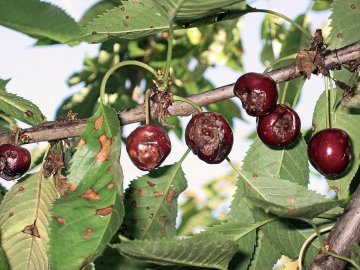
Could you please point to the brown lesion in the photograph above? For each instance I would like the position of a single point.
(98, 123)
(32, 230)
(104, 152)
(91, 195)
(104, 211)
(170, 195)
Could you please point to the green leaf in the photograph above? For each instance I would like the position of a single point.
(151, 203)
(131, 20)
(320, 5)
(352, 100)
(266, 255)
(96, 10)
(196, 9)
(50, 21)
(295, 212)
(20, 108)
(355, 254)
(4, 265)
(3, 84)
(24, 222)
(344, 119)
(210, 250)
(288, 163)
(84, 220)
(345, 23)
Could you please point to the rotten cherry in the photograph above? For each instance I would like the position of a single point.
(209, 136)
(280, 127)
(330, 151)
(257, 92)
(14, 161)
(148, 146)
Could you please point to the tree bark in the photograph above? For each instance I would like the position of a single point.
(342, 237)
(54, 130)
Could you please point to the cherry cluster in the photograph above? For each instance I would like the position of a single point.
(210, 137)
(329, 150)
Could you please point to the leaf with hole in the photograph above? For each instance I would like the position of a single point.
(24, 222)
(207, 250)
(89, 214)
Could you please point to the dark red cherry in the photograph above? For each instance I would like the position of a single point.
(330, 151)
(257, 92)
(209, 136)
(148, 146)
(14, 161)
(280, 127)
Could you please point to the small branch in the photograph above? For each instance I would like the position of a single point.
(342, 237)
(60, 130)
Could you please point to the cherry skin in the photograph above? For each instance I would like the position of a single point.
(257, 92)
(280, 127)
(209, 137)
(330, 151)
(148, 146)
(14, 161)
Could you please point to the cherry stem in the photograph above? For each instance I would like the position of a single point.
(294, 23)
(171, 40)
(119, 65)
(178, 98)
(327, 105)
(147, 106)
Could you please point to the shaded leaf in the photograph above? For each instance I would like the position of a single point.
(289, 162)
(196, 9)
(355, 254)
(20, 108)
(352, 100)
(86, 218)
(209, 250)
(295, 212)
(24, 222)
(151, 203)
(345, 23)
(4, 265)
(344, 119)
(266, 255)
(50, 21)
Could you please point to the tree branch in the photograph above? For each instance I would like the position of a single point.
(342, 237)
(62, 130)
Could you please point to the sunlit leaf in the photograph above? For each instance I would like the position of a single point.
(86, 218)
(24, 222)
(50, 21)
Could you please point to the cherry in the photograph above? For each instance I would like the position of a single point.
(330, 151)
(14, 161)
(280, 127)
(257, 92)
(148, 146)
(209, 136)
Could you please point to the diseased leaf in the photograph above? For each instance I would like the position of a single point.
(86, 218)
(24, 222)
(345, 23)
(49, 21)
(289, 163)
(347, 120)
(196, 9)
(210, 250)
(96, 10)
(132, 19)
(352, 99)
(295, 212)
(151, 203)
(20, 108)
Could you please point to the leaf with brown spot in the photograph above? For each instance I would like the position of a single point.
(97, 200)
(24, 222)
(91, 195)
(158, 191)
